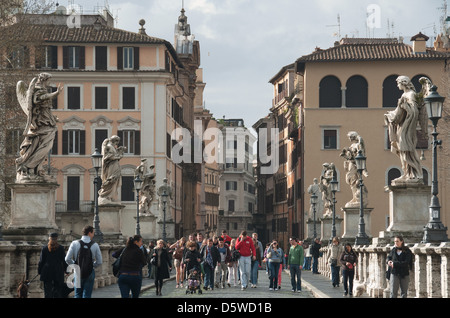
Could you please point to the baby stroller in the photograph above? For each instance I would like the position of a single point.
(193, 281)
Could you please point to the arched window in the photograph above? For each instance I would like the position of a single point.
(415, 81)
(393, 174)
(391, 93)
(330, 94)
(357, 92)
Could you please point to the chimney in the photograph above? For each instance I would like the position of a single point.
(419, 43)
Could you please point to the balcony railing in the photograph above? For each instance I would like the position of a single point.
(74, 206)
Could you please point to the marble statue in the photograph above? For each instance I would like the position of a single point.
(40, 130)
(352, 175)
(315, 189)
(111, 174)
(402, 125)
(147, 192)
(328, 172)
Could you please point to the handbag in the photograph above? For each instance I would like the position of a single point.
(116, 264)
(388, 274)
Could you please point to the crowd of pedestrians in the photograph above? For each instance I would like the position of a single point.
(222, 261)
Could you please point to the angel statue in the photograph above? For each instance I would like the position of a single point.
(328, 172)
(165, 192)
(147, 192)
(111, 173)
(352, 176)
(40, 129)
(402, 126)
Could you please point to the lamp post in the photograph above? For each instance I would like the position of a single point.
(137, 187)
(164, 196)
(361, 237)
(334, 187)
(434, 231)
(313, 203)
(97, 163)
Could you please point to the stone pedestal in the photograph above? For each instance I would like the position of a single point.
(32, 211)
(408, 211)
(110, 222)
(310, 228)
(148, 228)
(351, 222)
(326, 227)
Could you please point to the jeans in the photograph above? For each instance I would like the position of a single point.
(296, 277)
(209, 276)
(233, 274)
(315, 265)
(52, 289)
(254, 272)
(129, 283)
(274, 268)
(347, 277)
(87, 285)
(307, 263)
(221, 273)
(245, 265)
(335, 275)
(395, 282)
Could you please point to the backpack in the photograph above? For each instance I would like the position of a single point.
(84, 259)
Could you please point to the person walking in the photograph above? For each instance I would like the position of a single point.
(233, 264)
(192, 257)
(294, 263)
(221, 270)
(211, 258)
(162, 265)
(151, 248)
(400, 262)
(244, 244)
(131, 263)
(255, 263)
(308, 257)
(315, 254)
(334, 256)
(178, 252)
(226, 238)
(52, 267)
(87, 255)
(348, 262)
(275, 259)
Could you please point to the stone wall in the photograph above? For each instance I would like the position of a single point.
(19, 260)
(429, 278)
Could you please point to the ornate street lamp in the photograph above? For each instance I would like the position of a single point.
(164, 191)
(361, 237)
(314, 201)
(97, 164)
(434, 231)
(334, 187)
(137, 187)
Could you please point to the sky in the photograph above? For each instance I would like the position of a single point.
(244, 43)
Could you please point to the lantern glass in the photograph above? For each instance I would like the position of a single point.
(360, 161)
(96, 159)
(137, 183)
(434, 103)
(334, 184)
(314, 199)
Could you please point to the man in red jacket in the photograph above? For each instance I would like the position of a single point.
(244, 244)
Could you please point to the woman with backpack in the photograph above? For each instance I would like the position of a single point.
(130, 273)
(399, 261)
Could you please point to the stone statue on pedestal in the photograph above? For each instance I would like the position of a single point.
(147, 192)
(111, 174)
(328, 172)
(352, 175)
(315, 189)
(40, 130)
(402, 124)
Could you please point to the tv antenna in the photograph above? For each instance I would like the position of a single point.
(337, 25)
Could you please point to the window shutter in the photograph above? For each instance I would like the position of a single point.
(120, 58)
(137, 142)
(136, 58)
(39, 56)
(82, 59)
(54, 56)
(65, 144)
(55, 144)
(65, 57)
(82, 142)
(101, 58)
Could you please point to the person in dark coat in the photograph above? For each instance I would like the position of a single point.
(210, 256)
(400, 262)
(162, 265)
(315, 253)
(130, 272)
(348, 262)
(52, 267)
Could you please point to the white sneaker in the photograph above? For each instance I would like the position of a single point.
(270, 288)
